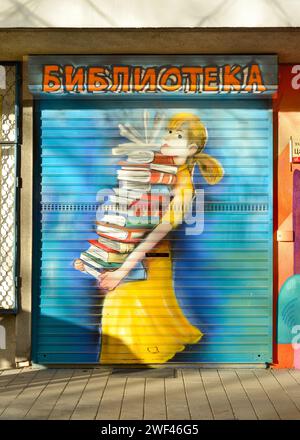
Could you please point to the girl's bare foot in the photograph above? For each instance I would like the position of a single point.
(78, 265)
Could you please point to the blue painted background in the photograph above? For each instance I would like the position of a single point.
(223, 278)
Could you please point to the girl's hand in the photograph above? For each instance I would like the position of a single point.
(110, 279)
(78, 265)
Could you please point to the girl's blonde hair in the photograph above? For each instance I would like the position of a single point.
(210, 168)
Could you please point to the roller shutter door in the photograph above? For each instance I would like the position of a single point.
(222, 277)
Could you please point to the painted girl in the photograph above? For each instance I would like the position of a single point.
(142, 321)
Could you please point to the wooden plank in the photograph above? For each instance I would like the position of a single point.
(133, 400)
(155, 400)
(177, 405)
(46, 401)
(217, 397)
(111, 402)
(261, 403)
(70, 396)
(90, 399)
(19, 407)
(8, 376)
(289, 384)
(197, 399)
(34, 394)
(295, 374)
(284, 406)
(14, 388)
(240, 403)
(24, 377)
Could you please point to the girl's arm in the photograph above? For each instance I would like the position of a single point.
(110, 280)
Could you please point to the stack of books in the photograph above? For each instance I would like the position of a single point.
(135, 207)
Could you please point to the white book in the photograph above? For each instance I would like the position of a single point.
(91, 271)
(133, 169)
(142, 176)
(164, 168)
(107, 256)
(112, 232)
(119, 208)
(121, 200)
(143, 187)
(128, 193)
(130, 133)
(118, 220)
(123, 248)
(97, 253)
(140, 157)
(170, 169)
(90, 261)
(118, 234)
(134, 149)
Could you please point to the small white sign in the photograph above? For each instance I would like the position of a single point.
(2, 78)
(294, 149)
(2, 338)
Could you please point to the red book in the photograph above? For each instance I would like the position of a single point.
(149, 198)
(123, 163)
(158, 177)
(159, 158)
(150, 204)
(129, 239)
(102, 246)
(163, 160)
(163, 168)
(120, 233)
(146, 210)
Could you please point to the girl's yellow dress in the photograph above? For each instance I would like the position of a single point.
(142, 322)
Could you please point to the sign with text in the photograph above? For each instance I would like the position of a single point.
(152, 75)
(294, 149)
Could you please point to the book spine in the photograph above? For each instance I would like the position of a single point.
(162, 159)
(128, 239)
(101, 264)
(123, 248)
(91, 271)
(98, 254)
(116, 258)
(133, 275)
(162, 178)
(87, 258)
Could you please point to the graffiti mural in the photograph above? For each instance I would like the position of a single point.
(288, 239)
(155, 189)
(154, 233)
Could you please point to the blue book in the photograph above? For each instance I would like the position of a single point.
(136, 274)
(161, 189)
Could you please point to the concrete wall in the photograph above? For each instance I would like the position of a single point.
(145, 13)
(17, 43)
(7, 341)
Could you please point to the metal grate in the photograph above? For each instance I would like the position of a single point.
(236, 207)
(8, 154)
(68, 207)
(211, 207)
(7, 227)
(8, 132)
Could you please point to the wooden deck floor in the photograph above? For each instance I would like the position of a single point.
(167, 394)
